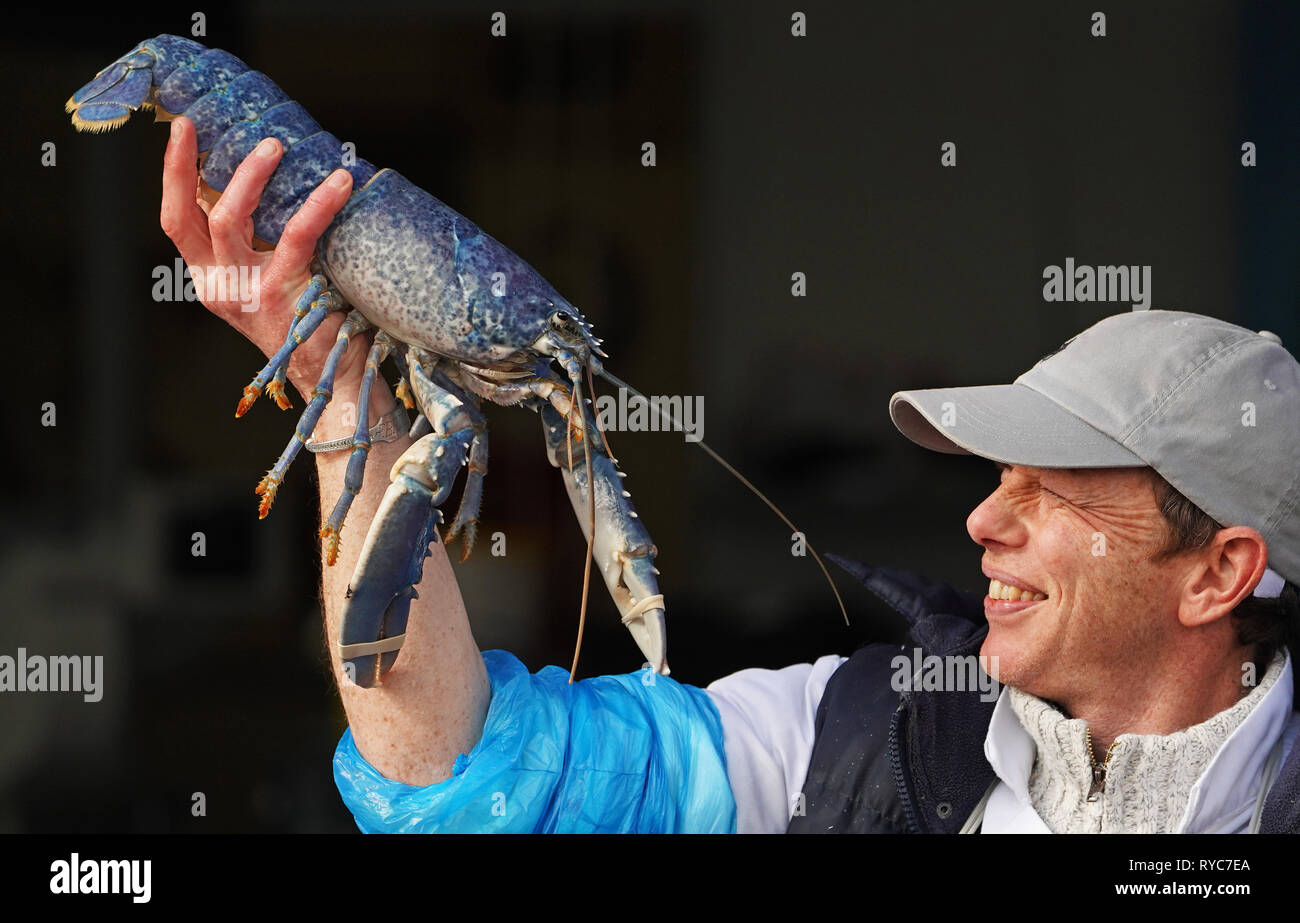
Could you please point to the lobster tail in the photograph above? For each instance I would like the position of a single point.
(232, 108)
(128, 84)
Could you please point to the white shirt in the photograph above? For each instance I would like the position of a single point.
(768, 724)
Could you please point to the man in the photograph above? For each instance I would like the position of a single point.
(1149, 691)
(1148, 485)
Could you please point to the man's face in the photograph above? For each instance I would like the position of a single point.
(1087, 540)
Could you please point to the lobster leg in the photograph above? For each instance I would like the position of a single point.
(353, 478)
(403, 392)
(465, 525)
(312, 306)
(275, 390)
(392, 559)
(320, 396)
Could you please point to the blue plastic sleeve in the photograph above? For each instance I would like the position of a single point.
(636, 753)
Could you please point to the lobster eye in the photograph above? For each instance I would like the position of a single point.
(566, 324)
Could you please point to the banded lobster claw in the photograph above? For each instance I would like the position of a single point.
(623, 550)
(378, 603)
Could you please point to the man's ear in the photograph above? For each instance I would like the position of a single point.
(1222, 574)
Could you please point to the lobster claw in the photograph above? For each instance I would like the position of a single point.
(391, 563)
(635, 591)
(379, 595)
(382, 586)
(623, 550)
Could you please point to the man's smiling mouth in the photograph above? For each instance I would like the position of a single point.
(1006, 587)
(1005, 591)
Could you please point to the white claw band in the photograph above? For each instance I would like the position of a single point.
(650, 602)
(365, 648)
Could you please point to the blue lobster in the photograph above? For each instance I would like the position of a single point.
(463, 318)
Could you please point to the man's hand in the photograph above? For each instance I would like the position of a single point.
(221, 236)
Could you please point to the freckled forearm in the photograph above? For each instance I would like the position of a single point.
(431, 705)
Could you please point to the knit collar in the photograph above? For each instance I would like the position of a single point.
(1189, 780)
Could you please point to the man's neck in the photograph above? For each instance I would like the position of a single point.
(1163, 701)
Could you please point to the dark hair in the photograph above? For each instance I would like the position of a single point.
(1269, 624)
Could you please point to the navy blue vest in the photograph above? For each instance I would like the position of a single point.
(913, 761)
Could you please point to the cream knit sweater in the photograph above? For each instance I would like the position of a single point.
(1149, 777)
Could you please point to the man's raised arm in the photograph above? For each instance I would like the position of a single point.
(432, 704)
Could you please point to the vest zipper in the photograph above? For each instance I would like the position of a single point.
(1098, 787)
(896, 759)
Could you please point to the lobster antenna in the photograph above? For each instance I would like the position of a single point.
(576, 403)
(619, 383)
(591, 386)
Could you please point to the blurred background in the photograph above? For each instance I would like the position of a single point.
(775, 155)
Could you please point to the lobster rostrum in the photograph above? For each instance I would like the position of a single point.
(461, 316)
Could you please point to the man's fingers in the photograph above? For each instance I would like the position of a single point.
(229, 219)
(298, 242)
(182, 220)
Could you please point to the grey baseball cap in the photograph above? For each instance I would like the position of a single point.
(1213, 407)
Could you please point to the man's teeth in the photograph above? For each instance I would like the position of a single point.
(1000, 590)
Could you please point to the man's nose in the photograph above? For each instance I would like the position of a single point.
(994, 523)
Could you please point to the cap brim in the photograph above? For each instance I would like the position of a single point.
(1013, 424)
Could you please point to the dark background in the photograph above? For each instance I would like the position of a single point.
(775, 155)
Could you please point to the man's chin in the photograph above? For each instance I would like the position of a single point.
(1003, 659)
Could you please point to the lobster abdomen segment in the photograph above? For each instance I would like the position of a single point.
(210, 72)
(244, 101)
(288, 122)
